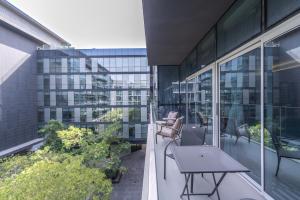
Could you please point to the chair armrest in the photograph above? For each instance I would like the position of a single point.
(165, 118)
(170, 127)
(243, 125)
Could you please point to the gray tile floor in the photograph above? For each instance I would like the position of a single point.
(232, 188)
(131, 185)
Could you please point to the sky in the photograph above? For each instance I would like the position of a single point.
(90, 23)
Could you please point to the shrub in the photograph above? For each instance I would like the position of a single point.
(67, 180)
(49, 131)
(255, 133)
(13, 165)
(73, 138)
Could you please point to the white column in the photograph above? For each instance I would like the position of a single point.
(138, 131)
(144, 114)
(125, 114)
(125, 131)
(76, 82)
(252, 79)
(59, 114)
(82, 64)
(144, 97)
(52, 98)
(113, 95)
(52, 82)
(76, 114)
(46, 114)
(46, 65)
(88, 81)
(125, 97)
(64, 82)
(64, 64)
(89, 117)
(70, 98)
(40, 82)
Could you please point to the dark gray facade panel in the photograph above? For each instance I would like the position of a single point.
(18, 89)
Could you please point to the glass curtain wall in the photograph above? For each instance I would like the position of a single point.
(240, 110)
(282, 116)
(168, 90)
(91, 87)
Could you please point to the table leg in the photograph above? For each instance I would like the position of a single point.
(214, 177)
(186, 186)
(192, 183)
(217, 185)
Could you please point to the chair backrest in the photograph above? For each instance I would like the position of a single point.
(193, 135)
(172, 115)
(243, 130)
(201, 118)
(177, 127)
(276, 141)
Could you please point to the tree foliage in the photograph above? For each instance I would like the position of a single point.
(74, 163)
(52, 180)
(49, 131)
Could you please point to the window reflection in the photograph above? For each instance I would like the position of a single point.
(240, 110)
(199, 92)
(282, 116)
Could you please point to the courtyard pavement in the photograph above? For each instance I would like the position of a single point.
(131, 184)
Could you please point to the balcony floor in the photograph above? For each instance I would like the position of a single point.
(233, 186)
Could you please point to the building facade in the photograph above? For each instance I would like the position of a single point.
(89, 87)
(20, 35)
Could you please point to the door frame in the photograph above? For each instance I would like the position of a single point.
(209, 67)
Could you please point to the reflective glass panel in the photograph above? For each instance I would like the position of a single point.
(240, 119)
(282, 116)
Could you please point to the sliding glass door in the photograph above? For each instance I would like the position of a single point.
(240, 105)
(199, 104)
(282, 116)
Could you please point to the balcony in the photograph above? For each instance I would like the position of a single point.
(155, 187)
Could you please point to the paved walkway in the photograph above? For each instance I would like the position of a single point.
(131, 185)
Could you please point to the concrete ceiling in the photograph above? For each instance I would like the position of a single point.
(173, 27)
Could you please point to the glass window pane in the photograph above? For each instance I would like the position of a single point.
(206, 50)
(278, 9)
(168, 87)
(238, 25)
(46, 82)
(40, 66)
(58, 82)
(282, 116)
(240, 110)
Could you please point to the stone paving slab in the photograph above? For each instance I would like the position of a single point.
(131, 184)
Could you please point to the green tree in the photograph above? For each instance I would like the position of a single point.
(49, 131)
(67, 180)
(74, 138)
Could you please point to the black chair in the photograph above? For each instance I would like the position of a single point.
(242, 130)
(282, 151)
(202, 119)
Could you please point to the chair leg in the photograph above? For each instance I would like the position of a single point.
(278, 164)
(156, 138)
(236, 140)
(165, 158)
